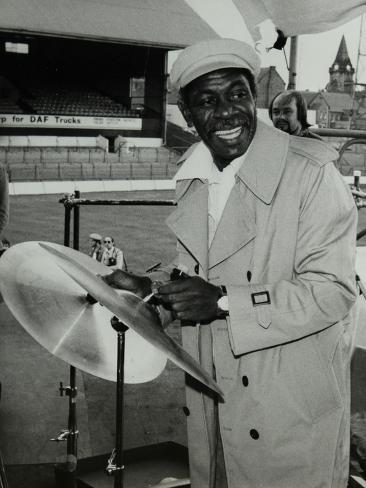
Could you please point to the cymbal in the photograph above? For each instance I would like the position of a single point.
(133, 312)
(49, 281)
(54, 310)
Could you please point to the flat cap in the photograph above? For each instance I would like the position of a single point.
(207, 56)
(95, 236)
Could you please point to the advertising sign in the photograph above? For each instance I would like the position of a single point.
(69, 122)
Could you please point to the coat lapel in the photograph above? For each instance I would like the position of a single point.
(189, 221)
(236, 229)
(260, 173)
(263, 166)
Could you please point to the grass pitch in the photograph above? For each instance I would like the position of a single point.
(140, 231)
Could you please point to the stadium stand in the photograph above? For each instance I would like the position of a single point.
(9, 106)
(61, 99)
(178, 137)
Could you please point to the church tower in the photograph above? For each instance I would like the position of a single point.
(341, 72)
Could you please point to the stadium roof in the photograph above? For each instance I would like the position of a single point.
(161, 23)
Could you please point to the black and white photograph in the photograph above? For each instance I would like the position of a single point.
(182, 243)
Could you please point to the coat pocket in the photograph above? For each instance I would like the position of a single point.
(316, 379)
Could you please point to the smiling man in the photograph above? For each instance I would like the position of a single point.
(266, 235)
(206, 103)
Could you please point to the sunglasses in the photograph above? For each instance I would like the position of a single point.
(107, 242)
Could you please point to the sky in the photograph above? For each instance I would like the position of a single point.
(316, 53)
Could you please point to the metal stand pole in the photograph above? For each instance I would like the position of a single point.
(67, 224)
(76, 222)
(66, 478)
(71, 425)
(293, 64)
(115, 463)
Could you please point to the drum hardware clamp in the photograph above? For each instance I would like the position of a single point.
(111, 466)
(64, 434)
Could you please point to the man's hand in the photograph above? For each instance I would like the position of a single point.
(140, 285)
(191, 299)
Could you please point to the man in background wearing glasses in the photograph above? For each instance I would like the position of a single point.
(112, 255)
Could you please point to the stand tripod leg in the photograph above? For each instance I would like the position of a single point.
(3, 480)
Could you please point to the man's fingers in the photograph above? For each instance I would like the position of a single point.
(173, 287)
(173, 297)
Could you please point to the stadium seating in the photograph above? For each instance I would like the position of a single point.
(48, 158)
(9, 106)
(62, 100)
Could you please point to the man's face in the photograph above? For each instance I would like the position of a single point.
(108, 242)
(221, 107)
(284, 114)
(93, 243)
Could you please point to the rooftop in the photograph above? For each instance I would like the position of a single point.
(160, 23)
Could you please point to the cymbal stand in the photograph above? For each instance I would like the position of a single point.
(115, 463)
(71, 203)
(68, 479)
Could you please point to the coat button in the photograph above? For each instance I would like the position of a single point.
(254, 434)
(245, 380)
(197, 269)
(249, 275)
(186, 411)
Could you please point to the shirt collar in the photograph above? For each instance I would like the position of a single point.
(200, 165)
(260, 171)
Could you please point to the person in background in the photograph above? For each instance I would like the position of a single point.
(96, 250)
(288, 112)
(112, 255)
(266, 232)
(4, 245)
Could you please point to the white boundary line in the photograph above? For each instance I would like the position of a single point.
(90, 186)
(57, 187)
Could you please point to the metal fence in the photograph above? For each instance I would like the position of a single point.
(350, 145)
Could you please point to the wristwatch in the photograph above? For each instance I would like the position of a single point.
(223, 303)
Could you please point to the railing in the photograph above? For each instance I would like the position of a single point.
(348, 160)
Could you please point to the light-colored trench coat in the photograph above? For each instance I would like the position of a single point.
(288, 229)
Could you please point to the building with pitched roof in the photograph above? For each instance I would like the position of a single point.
(334, 106)
(333, 109)
(341, 72)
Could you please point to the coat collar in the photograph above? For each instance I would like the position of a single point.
(262, 169)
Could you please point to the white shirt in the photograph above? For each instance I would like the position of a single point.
(200, 165)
